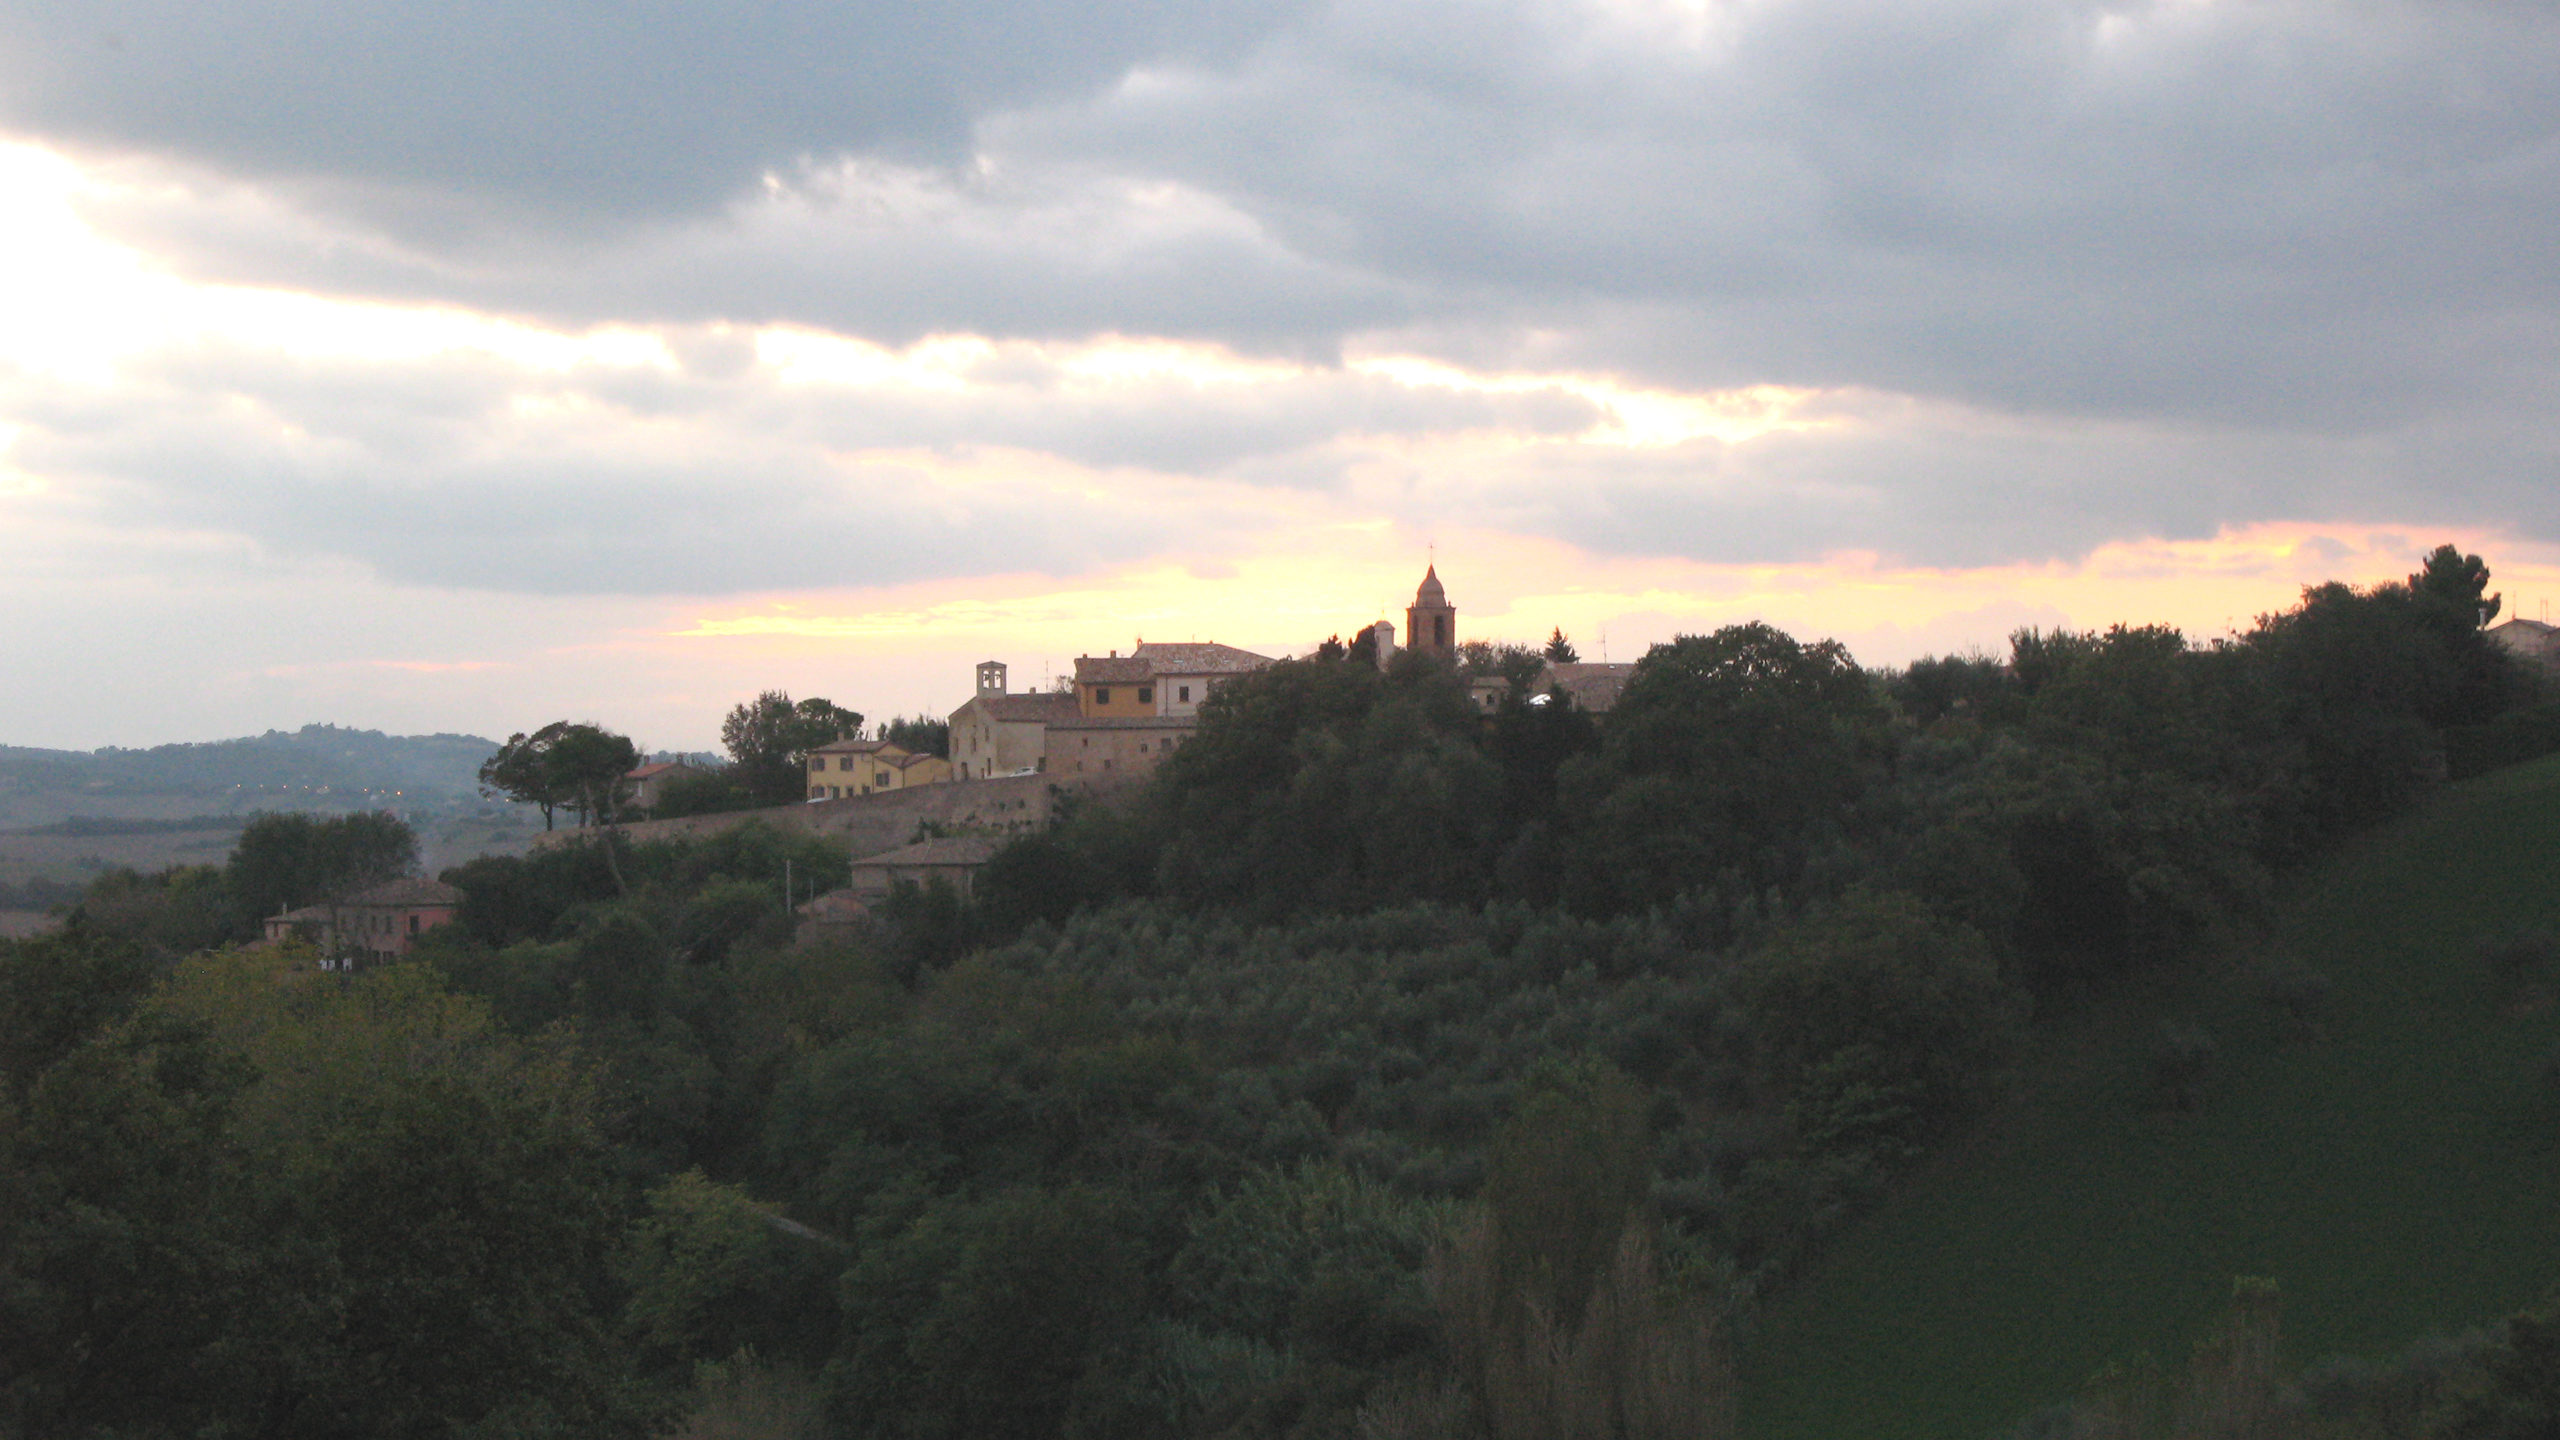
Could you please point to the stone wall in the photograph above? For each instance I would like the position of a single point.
(871, 824)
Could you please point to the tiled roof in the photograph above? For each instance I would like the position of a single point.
(835, 907)
(949, 850)
(1039, 708)
(1168, 658)
(855, 747)
(902, 760)
(1113, 670)
(656, 767)
(1593, 686)
(407, 892)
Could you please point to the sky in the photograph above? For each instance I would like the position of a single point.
(468, 366)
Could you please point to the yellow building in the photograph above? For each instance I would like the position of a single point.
(867, 767)
(1115, 687)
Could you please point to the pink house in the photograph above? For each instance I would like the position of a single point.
(373, 925)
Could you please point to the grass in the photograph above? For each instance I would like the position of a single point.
(2396, 1175)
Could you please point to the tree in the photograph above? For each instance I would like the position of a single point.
(919, 734)
(1742, 751)
(576, 766)
(770, 738)
(517, 773)
(1560, 650)
(588, 764)
(274, 1203)
(2449, 581)
(284, 861)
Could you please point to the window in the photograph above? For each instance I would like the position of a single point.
(1439, 629)
(1183, 694)
(1146, 694)
(818, 762)
(846, 763)
(413, 924)
(817, 792)
(1101, 694)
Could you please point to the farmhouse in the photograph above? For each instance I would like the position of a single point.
(372, 925)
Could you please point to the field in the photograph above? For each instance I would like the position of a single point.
(26, 855)
(2396, 1173)
(444, 840)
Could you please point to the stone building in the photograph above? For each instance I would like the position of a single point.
(999, 733)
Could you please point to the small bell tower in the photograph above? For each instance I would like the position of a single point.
(990, 677)
(1431, 625)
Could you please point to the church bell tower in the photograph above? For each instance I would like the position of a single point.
(1431, 625)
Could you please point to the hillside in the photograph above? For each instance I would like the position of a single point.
(2395, 1173)
(316, 767)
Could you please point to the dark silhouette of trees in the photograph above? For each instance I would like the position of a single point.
(563, 765)
(769, 739)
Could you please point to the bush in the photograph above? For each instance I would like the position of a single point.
(2181, 1061)
(2519, 960)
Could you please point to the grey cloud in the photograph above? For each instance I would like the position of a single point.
(2210, 262)
(2299, 214)
(572, 110)
(1967, 489)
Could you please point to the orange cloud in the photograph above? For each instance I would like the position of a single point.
(1286, 597)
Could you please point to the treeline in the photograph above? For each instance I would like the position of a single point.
(433, 768)
(1385, 1068)
(2089, 802)
(281, 862)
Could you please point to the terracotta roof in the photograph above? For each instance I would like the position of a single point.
(656, 767)
(903, 760)
(856, 747)
(1170, 658)
(835, 907)
(407, 892)
(1038, 708)
(1113, 670)
(1593, 686)
(949, 850)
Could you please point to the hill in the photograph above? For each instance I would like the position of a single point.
(317, 767)
(2394, 1167)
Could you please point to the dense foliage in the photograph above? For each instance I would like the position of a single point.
(1386, 1064)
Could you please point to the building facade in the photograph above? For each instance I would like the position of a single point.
(998, 733)
(369, 926)
(647, 785)
(1116, 747)
(867, 767)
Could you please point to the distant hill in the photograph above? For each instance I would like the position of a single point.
(319, 767)
(2392, 1166)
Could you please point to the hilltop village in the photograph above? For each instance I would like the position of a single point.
(974, 1085)
(1119, 716)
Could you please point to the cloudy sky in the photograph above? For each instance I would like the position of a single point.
(468, 365)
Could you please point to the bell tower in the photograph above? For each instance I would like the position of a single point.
(1431, 625)
(990, 677)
